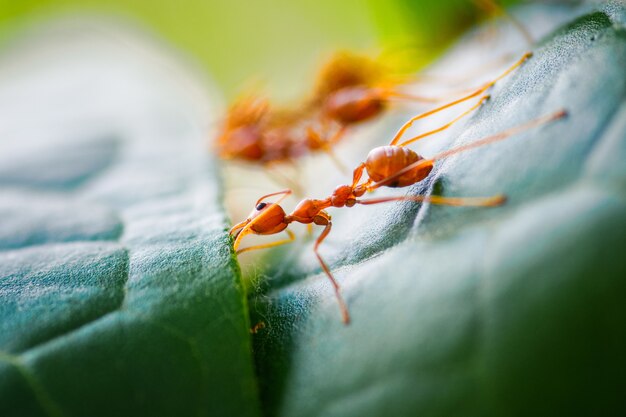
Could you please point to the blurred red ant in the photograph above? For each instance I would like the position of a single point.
(350, 89)
(255, 132)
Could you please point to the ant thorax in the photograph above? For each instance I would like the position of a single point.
(343, 196)
(385, 161)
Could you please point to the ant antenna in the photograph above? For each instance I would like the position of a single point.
(476, 93)
(482, 142)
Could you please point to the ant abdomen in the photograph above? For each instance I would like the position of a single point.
(354, 104)
(385, 161)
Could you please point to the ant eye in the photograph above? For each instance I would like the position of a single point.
(261, 206)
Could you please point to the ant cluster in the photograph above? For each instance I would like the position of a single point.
(349, 90)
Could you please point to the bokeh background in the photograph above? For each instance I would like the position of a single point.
(119, 291)
(278, 42)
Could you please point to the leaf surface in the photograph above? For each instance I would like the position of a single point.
(119, 294)
(516, 310)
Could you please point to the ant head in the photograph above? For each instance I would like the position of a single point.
(265, 219)
(270, 219)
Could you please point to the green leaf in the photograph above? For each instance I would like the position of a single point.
(119, 293)
(516, 310)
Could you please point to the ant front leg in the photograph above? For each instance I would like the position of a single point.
(357, 174)
(240, 230)
(323, 219)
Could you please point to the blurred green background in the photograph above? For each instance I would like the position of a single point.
(276, 42)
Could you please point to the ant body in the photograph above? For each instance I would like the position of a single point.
(349, 90)
(393, 165)
(353, 88)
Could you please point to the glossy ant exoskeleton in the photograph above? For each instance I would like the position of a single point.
(386, 166)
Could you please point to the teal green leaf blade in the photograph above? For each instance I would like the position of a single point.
(516, 310)
(119, 292)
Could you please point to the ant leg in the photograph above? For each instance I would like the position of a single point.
(502, 135)
(413, 119)
(447, 125)
(338, 135)
(449, 95)
(391, 94)
(291, 238)
(357, 174)
(493, 201)
(345, 315)
(476, 93)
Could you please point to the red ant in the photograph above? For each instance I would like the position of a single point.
(353, 88)
(388, 166)
(391, 166)
(255, 132)
(349, 90)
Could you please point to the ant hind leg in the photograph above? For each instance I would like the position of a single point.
(345, 315)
